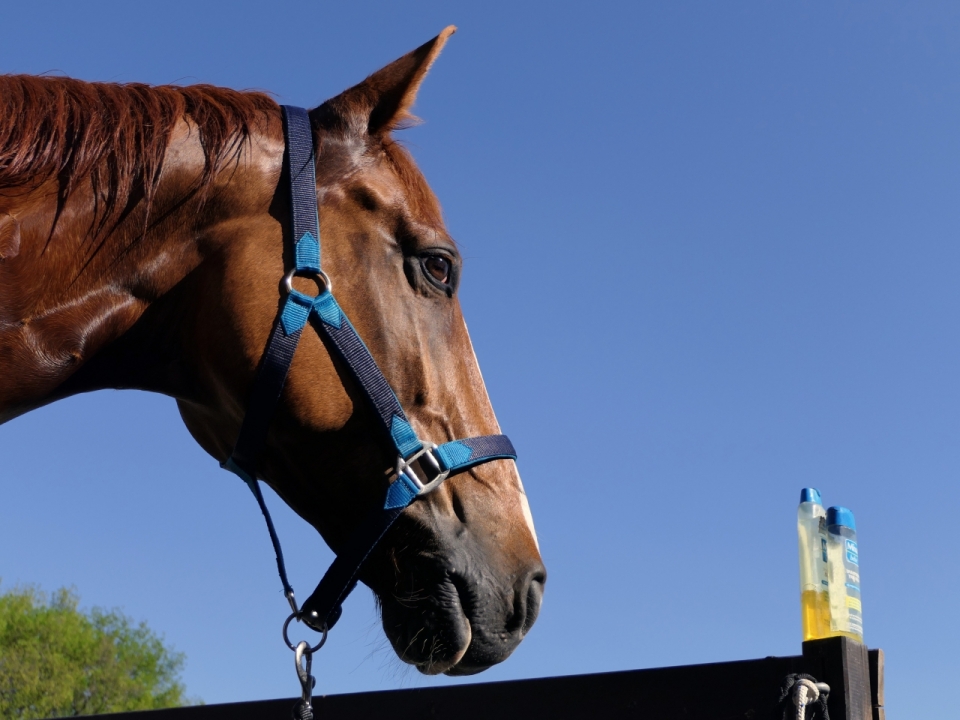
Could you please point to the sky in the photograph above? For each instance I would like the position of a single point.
(711, 258)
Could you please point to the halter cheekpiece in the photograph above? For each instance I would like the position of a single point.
(420, 466)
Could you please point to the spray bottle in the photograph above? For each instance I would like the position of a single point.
(812, 536)
(846, 616)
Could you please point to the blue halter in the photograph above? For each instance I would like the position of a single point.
(421, 466)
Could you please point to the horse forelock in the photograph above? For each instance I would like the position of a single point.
(114, 135)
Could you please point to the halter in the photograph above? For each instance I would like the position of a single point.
(420, 466)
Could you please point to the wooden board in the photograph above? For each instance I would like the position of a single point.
(876, 683)
(742, 690)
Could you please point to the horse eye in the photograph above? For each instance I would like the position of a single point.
(438, 267)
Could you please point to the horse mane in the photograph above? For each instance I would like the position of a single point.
(113, 134)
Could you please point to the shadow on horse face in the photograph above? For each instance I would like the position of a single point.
(459, 577)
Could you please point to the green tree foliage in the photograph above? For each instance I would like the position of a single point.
(56, 661)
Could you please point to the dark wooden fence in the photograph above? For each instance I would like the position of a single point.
(744, 690)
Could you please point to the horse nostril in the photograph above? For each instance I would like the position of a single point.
(529, 597)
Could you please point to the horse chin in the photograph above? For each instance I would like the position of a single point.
(448, 666)
(431, 633)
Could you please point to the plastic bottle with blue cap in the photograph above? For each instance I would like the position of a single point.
(843, 555)
(812, 541)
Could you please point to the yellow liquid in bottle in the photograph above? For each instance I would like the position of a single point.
(815, 614)
(845, 618)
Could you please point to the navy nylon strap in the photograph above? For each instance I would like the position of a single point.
(420, 467)
(302, 172)
(264, 396)
(323, 607)
(461, 455)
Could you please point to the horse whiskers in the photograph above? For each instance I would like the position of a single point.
(411, 599)
(389, 663)
(437, 646)
(403, 655)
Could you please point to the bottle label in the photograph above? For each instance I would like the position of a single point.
(853, 556)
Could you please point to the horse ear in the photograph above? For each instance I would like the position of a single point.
(382, 102)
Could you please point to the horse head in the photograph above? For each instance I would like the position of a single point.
(143, 237)
(459, 577)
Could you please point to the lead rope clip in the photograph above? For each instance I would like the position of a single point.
(303, 657)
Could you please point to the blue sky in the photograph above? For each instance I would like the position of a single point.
(711, 258)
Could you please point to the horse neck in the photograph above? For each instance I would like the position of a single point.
(82, 309)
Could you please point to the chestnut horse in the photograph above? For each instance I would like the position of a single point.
(142, 242)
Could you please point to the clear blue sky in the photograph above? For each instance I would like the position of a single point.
(711, 258)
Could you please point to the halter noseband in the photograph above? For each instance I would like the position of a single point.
(421, 466)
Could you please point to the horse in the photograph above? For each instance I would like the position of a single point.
(142, 235)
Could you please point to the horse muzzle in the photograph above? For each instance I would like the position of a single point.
(462, 607)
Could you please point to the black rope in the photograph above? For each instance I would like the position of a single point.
(281, 566)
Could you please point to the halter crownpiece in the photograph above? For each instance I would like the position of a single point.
(420, 467)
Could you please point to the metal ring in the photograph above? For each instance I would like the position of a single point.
(294, 647)
(319, 276)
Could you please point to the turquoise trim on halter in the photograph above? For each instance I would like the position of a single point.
(453, 454)
(307, 253)
(401, 493)
(297, 309)
(327, 309)
(230, 465)
(404, 437)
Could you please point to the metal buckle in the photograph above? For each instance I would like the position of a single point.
(318, 276)
(406, 467)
